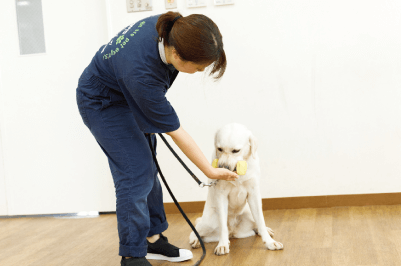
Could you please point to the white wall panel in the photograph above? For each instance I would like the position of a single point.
(45, 145)
(319, 85)
(3, 191)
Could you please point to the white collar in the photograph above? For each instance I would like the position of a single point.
(162, 52)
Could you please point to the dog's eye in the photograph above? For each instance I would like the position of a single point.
(236, 151)
(219, 149)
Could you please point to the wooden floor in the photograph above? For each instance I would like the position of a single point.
(333, 236)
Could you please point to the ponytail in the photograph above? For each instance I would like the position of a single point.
(165, 24)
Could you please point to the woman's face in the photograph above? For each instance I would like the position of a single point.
(190, 67)
(186, 66)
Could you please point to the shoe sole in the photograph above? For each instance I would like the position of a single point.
(152, 256)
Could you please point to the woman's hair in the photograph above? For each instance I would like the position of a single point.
(196, 38)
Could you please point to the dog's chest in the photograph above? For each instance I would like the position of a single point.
(237, 197)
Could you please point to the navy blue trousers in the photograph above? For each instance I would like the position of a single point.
(139, 206)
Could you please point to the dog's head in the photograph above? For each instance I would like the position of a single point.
(233, 143)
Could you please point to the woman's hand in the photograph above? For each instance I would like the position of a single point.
(223, 174)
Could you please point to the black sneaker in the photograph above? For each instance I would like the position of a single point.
(163, 250)
(135, 262)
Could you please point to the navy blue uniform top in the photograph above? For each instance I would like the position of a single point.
(130, 64)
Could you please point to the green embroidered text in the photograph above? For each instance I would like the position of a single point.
(122, 41)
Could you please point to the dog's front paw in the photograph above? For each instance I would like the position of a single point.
(270, 231)
(194, 241)
(221, 249)
(274, 245)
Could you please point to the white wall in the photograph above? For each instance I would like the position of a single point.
(318, 83)
(3, 194)
(45, 145)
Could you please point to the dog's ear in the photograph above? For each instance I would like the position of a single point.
(253, 144)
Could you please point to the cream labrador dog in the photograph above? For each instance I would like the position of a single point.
(233, 209)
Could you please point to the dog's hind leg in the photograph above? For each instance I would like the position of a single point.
(197, 221)
(245, 226)
(244, 230)
(204, 230)
(213, 237)
(247, 217)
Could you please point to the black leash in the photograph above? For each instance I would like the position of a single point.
(171, 193)
(179, 159)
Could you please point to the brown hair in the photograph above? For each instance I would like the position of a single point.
(196, 38)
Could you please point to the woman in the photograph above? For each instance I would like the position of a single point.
(121, 96)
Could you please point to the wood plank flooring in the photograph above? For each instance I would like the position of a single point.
(369, 235)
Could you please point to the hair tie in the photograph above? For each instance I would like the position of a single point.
(175, 19)
(170, 25)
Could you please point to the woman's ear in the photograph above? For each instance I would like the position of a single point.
(174, 53)
(253, 144)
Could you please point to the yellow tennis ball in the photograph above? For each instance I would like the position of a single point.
(241, 167)
(215, 163)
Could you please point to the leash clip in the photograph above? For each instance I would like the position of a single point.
(212, 184)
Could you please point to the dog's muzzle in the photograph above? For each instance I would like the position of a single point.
(241, 166)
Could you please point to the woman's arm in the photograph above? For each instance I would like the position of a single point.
(188, 146)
